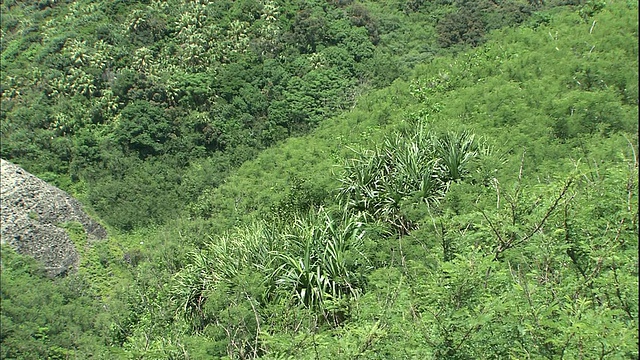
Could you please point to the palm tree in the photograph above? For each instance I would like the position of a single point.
(143, 58)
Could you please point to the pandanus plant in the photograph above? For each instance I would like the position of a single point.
(455, 152)
(314, 260)
(408, 169)
(321, 260)
(220, 262)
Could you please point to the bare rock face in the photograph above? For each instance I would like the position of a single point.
(32, 212)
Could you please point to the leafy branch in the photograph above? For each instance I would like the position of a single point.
(507, 242)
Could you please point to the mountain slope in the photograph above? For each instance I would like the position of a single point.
(521, 241)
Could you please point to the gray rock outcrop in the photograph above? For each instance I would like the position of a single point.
(32, 212)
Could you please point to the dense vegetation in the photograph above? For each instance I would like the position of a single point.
(281, 179)
(98, 96)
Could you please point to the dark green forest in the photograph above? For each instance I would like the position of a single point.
(337, 179)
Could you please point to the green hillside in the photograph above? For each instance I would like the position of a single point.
(292, 180)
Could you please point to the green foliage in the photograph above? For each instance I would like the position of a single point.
(456, 152)
(76, 233)
(182, 82)
(142, 129)
(118, 195)
(223, 85)
(493, 214)
(42, 318)
(316, 259)
(472, 19)
(407, 170)
(324, 260)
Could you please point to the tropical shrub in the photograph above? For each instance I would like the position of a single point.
(412, 168)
